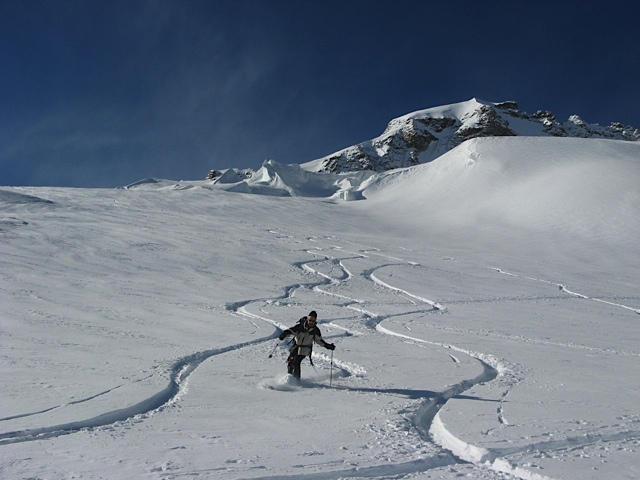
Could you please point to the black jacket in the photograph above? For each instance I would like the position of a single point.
(304, 338)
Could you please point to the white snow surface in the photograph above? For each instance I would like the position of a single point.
(484, 307)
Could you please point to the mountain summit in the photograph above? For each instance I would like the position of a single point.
(422, 136)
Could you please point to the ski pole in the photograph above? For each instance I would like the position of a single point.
(274, 349)
(331, 374)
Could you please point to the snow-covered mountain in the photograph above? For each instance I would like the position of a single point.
(484, 308)
(410, 140)
(422, 136)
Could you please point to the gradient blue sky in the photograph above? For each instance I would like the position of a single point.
(104, 93)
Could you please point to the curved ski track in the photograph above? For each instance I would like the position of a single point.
(426, 420)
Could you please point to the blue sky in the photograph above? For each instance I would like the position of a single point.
(105, 93)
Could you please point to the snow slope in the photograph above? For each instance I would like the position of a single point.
(538, 185)
(484, 308)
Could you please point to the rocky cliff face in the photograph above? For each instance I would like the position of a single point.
(422, 136)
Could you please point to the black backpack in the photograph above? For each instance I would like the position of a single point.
(293, 346)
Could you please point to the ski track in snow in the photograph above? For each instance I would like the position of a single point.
(426, 419)
(179, 373)
(75, 402)
(564, 289)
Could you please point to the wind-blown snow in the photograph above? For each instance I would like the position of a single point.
(484, 307)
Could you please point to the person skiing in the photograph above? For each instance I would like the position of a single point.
(305, 332)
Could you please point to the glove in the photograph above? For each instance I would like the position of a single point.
(282, 336)
(330, 346)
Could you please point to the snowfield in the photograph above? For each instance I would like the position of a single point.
(484, 307)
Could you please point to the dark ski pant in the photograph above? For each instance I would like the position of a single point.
(293, 367)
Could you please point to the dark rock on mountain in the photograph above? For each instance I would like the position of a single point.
(422, 136)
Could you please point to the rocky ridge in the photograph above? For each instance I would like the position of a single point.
(422, 136)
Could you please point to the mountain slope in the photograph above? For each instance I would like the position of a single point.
(577, 186)
(422, 136)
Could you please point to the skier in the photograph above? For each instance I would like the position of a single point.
(305, 332)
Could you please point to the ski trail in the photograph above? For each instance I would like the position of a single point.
(380, 472)
(477, 455)
(430, 406)
(564, 289)
(371, 276)
(179, 374)
(180, 371)
(454, 358)
(75, 402)
(426, 417)
(427, 420)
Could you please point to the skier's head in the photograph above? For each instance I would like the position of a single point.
(311, 319)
